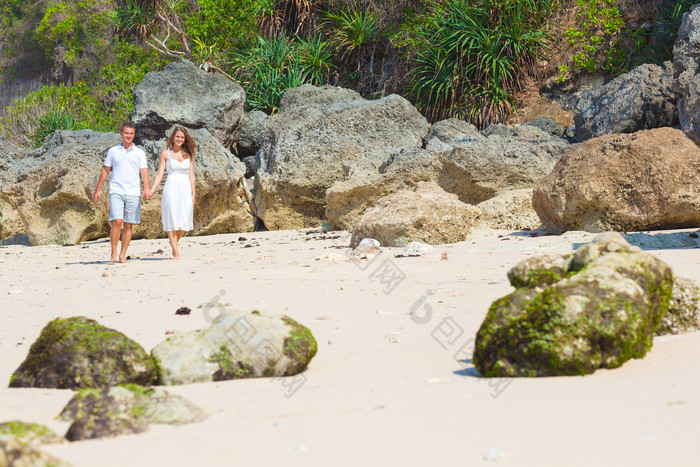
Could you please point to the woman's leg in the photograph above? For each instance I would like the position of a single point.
(172, 238)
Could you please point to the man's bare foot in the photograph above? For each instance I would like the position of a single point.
(123, 260)
(113, 259)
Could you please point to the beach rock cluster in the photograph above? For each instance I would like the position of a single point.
(14, 452)
(686, 73)
(572, 314)
(29, 433)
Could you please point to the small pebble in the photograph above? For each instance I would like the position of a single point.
(495, 455)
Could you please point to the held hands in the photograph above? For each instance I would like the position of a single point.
(147, 193)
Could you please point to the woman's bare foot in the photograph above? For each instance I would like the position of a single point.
(123, 260)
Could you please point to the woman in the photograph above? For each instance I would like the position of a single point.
(178, 192)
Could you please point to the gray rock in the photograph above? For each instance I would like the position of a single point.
(417, 248)
(236, 345)
(686, 77)
(571, 316)
(80, 353)
(123, 410)
(641, 99)
(684, 310)
(254, 131)
(321, 136)
(548, 125)
(511, 210)
(183, 94)
(446, 133)
(14, 453)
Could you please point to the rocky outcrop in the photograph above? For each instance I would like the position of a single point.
(236, 345)
(424, 214)
(686, 76)
(472, 166)
(182, 94)
(573, 314)
(319, 136)
(80, 353)
(253, 133)
(641, 99)
(643, 181)
(13, 453)
(220, 206)
(684, 310)
(51, 190)
(511, 210)
(124, 410)
(30, 433)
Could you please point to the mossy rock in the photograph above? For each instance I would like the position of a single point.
(602, 311)
(80, 353)
(31, 433)
(14, 452)
(109, 412)
(236, 345)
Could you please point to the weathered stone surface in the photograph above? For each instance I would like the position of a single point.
(10, 220)
(182, 94)
(548, 125)
(51, 188)
(220, 202)
(686, 79)
(254, 131)
(125, 409)
(445, 134)
(319, 136)
(511, 210)
(643, 181)
(598, 312)
(236, 345)
(80, 353)
(30, 433)
(641, 99)
(684, 310)
(14, 453)
(424, 214)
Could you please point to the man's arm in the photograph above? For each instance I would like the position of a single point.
(100, 182)
(146, 187)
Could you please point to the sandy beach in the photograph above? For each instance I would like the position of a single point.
(385, 388)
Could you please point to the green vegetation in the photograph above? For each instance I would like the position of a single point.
(469, 59)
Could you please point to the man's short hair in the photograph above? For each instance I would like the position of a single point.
(128, 125)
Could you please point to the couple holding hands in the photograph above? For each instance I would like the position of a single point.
(128, 165)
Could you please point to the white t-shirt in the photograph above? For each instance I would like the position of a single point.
(126, 166)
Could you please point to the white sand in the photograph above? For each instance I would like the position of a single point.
(382, 390)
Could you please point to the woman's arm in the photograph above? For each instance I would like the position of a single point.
(192, 178)
(161, 170)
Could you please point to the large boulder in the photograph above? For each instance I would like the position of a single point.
(183, 94)
(236, 345)
(15, 453)
(684, 310)
(473, 166)
(125, 409)
(425, 214)
(686, 76)
(253, 133)
(319, 136)
(638, 100)
(641, 181)
(51, 188)
(10, 220)
(221, 204)
(572, 314)
(80, 353)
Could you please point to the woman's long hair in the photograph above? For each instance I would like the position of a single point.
(188, 146)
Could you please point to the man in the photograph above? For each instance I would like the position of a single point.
(127, 163)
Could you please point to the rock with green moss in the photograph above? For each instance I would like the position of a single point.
(14, 452)
(236, 345)
(31, 433)
(80, 353)
(684, 310)
(598, 312)
(109, 412)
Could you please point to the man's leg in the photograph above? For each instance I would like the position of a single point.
(114, 238)
(126, 238)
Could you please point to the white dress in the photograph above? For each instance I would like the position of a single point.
(177, 196)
